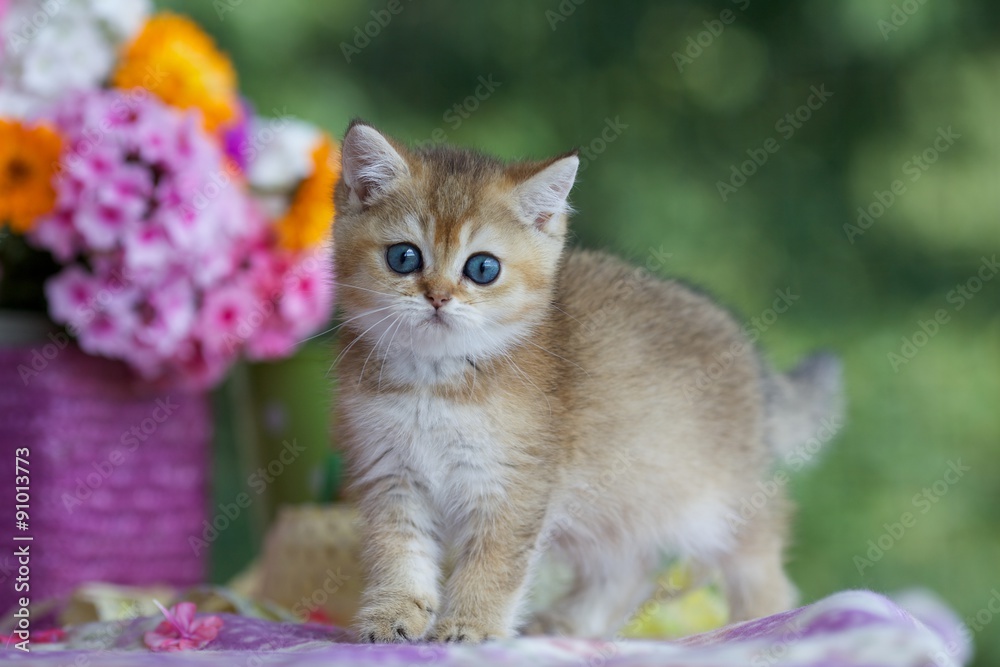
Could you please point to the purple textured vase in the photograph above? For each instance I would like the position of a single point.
(117, 474)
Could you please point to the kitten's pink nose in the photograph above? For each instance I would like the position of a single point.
(438, 299)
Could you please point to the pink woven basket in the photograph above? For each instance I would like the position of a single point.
(118, 474)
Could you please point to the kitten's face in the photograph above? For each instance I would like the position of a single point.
(444, 253)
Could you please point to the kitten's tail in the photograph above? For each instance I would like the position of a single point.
(805, 406)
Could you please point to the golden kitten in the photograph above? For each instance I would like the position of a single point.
(487, 418)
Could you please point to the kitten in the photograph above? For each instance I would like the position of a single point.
(502, 396)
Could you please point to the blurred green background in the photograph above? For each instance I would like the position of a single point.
(693, 90)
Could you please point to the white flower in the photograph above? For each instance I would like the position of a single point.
(51, 47)
(280, 156)
(122, 18)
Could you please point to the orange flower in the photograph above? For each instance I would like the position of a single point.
(310, 214)
(29, 158)
(178, 62)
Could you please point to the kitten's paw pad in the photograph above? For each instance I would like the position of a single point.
(395, 619)
(463, 631)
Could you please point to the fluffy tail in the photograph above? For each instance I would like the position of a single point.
(804, 404)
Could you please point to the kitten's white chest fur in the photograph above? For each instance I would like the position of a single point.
(436, 442)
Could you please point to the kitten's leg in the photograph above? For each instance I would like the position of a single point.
(486, 591)
(605, 594)
(754, 574)
(402, 553)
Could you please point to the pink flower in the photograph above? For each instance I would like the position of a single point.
(227, 318)
(109, 213)
(148, 253)
(70, 293)
(308, 295)
(57, 233)
(169, 264)
(300, 287)
(182, 631)
(167, 316)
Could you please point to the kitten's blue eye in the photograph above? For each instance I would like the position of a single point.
(404, 258)
(482, 268)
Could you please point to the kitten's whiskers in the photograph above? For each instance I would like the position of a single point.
(354, 342)
(365, 289)
(361, 375)
(337, 326)
(388, 347)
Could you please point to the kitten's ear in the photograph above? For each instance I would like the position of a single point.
(369, 163)
(543, 196)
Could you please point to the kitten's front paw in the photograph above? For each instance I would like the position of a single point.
(395, 619)
(464, 630)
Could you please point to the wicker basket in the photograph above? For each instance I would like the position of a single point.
(118, 474)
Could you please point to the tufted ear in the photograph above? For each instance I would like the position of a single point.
(369, 163)
(543, 196)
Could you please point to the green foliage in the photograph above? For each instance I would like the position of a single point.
(900, 72)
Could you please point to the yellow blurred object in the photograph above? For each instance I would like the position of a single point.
(110, 602)
(680, 608)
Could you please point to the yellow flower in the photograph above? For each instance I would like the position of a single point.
(29, 158)
(310, 214)
(173, 58)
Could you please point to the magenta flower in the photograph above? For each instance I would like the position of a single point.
(181, 631)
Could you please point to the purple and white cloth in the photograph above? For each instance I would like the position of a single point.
(852, 628)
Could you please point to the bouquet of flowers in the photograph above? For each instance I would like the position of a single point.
(171, 227)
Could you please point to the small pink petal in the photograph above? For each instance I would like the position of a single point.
(182, 630)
